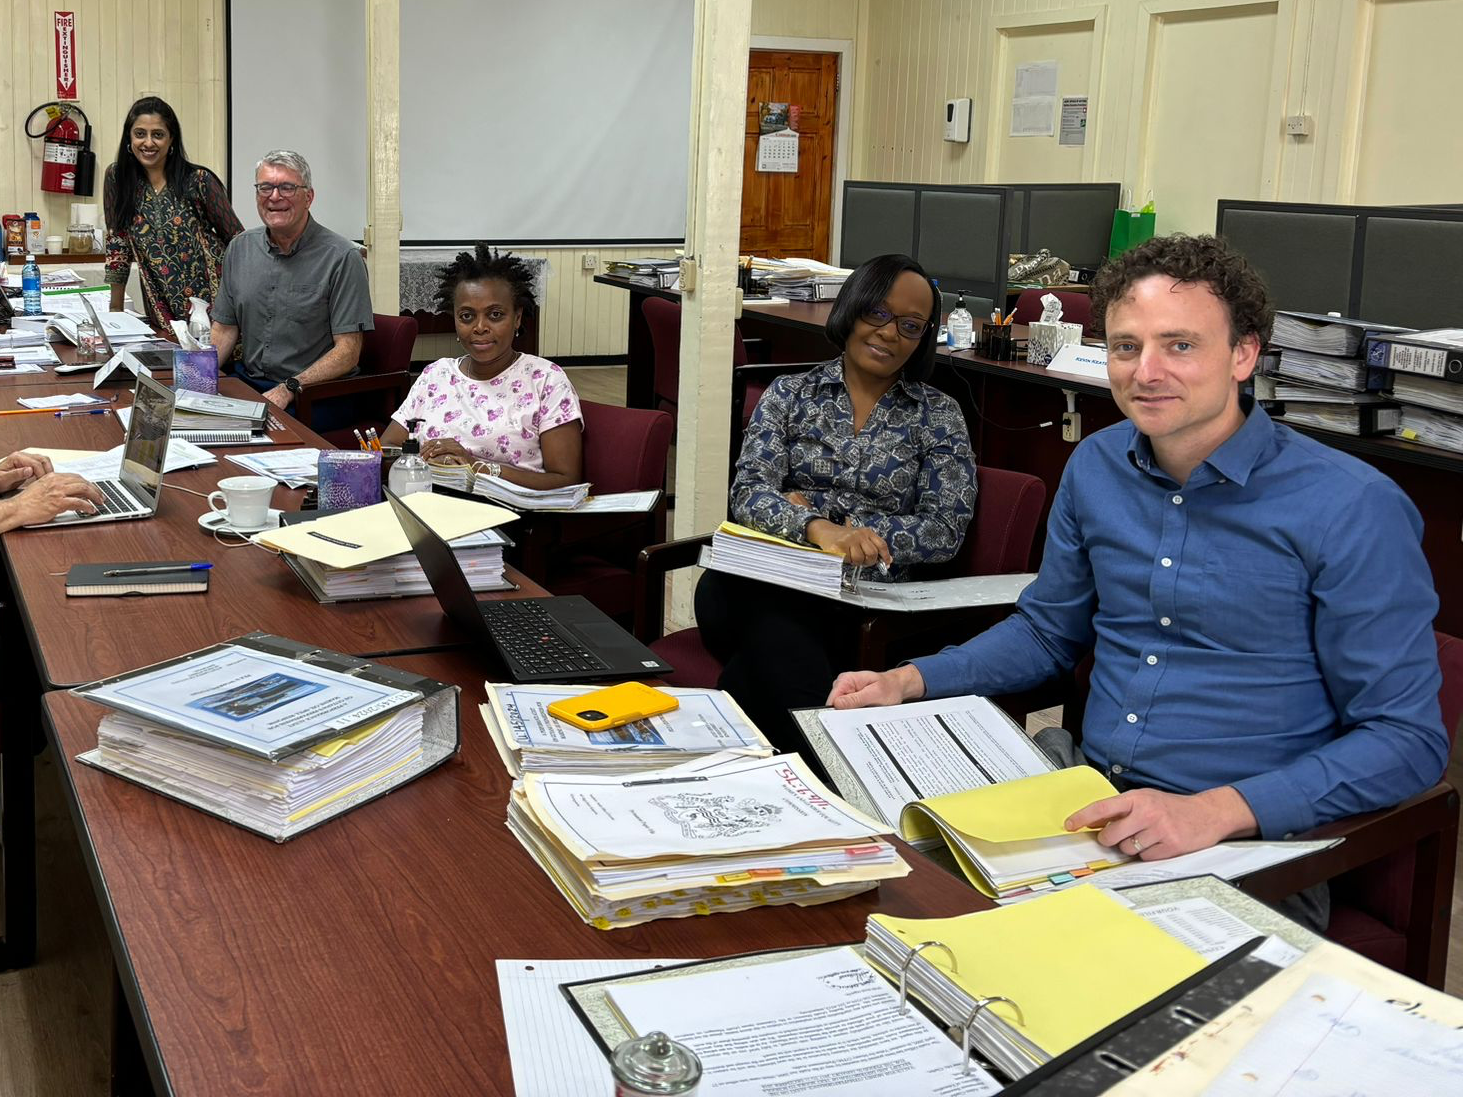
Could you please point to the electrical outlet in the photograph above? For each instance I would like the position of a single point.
(590, 262)
(1072, 426)
(1298, 125)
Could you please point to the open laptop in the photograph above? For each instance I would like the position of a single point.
(139, 487)
(539, 639)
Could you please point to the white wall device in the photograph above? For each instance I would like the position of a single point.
(957, 119)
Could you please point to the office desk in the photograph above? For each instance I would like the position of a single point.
(359, 958)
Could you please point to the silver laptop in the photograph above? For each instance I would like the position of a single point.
(138, 489)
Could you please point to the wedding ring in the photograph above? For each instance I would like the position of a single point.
(1137, 846)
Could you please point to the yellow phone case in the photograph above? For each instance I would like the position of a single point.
(614, 706)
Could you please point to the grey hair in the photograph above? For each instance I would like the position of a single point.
(286, 158)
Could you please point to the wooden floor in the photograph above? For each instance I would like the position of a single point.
(55, 1016)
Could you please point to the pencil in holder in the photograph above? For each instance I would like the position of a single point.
(1003, 346)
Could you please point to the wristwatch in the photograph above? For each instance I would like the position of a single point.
(294, 386)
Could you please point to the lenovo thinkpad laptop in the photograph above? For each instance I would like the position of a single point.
(139, 487)
(539, 639)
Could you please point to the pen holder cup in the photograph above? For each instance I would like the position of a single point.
(349, 479)
(981, 347)
(1002, 347)
(1044, 340)
(196, 370)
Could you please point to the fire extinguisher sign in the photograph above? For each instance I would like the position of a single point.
(65, 55)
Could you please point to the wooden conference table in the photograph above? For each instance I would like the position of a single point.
(359, 957)
(1005, 404)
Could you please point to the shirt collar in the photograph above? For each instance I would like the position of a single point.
(1236, 457)
(831, 375)
(272, 249)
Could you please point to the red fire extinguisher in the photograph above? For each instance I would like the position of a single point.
(68, 166)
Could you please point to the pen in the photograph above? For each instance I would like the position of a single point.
(81, 411)
(662, 781)
(158, 569)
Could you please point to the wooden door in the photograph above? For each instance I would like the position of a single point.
(786, 214)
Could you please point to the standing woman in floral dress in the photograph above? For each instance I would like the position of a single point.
(168, 215)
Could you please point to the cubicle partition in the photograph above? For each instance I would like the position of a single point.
(963, 234)
(955, 232)
(1390, 264)
(1073, 221)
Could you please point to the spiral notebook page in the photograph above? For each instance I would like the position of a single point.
(552, 1053)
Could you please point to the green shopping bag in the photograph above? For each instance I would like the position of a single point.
(1130, 229)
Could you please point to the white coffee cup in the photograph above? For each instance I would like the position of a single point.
(243, 500)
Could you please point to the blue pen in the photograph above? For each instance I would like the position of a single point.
(83, 411)
(159, 569)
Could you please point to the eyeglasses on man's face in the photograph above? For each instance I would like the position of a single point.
(286, 190)
(911, 327)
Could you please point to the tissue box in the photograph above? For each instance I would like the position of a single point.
(1043, 340)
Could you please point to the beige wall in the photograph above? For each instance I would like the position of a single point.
(125, 49)
(1188, 97)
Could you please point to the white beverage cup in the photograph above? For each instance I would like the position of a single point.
(243, 500)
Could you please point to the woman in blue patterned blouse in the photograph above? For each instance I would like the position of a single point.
(858, 456)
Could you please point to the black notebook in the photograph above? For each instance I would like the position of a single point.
(87, 580)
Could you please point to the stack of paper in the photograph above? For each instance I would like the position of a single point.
(259, 732)
(1346, 375)
(658, 273)
(714, 835)
(1071, 964)
(120, 328)
(801, 279)
(212, 412)
(1322, 334)
(463, 478)
(296, 468)
(29, 348)
(480, 555)
(1432, 428)
(742, 550)
(529, 738)
(1428, 392)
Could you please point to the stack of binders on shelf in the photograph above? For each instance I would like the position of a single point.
(271, 735)
(1425, 370)
(714, 835)
(530, 739)
(1315, 376)
(655, 273)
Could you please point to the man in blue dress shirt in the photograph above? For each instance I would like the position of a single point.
(1258, 603)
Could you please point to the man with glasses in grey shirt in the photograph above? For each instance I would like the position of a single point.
(292, 291)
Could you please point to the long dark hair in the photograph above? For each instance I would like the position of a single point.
(867, 287)
(127, 173)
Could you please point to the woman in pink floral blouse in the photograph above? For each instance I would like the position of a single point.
(509, 414)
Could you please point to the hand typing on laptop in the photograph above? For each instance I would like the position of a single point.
(45, 495)
(21, 467)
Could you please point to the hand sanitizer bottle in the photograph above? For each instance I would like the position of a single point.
(410, 473)
(960, 325)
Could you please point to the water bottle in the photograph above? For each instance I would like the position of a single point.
(960, 325)
(30, 284)
(410, 473)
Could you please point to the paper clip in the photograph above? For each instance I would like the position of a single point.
(980, 1004)
(904, 970)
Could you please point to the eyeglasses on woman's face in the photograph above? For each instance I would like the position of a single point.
(910, 327)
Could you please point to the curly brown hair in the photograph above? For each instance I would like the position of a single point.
(1203, 260)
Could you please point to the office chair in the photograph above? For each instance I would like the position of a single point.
(999, 541)
(376, 391)
(1076, 308)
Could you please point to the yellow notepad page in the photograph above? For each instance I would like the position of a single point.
(1074, 961)
(1013, 811)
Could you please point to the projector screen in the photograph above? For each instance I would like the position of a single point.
(554, 121)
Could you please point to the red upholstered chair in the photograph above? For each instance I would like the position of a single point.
(379, 388)
(1000, 540)
(594, 555)
(1076, 307)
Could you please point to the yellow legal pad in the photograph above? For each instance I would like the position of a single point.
(1016, 811)
(735, 529)
(1074, 961)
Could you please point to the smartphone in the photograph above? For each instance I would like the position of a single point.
(612, 707)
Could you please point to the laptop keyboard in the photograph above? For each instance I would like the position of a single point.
(114, 499)
(533, 639)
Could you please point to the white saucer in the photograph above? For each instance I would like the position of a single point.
(217, 521)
